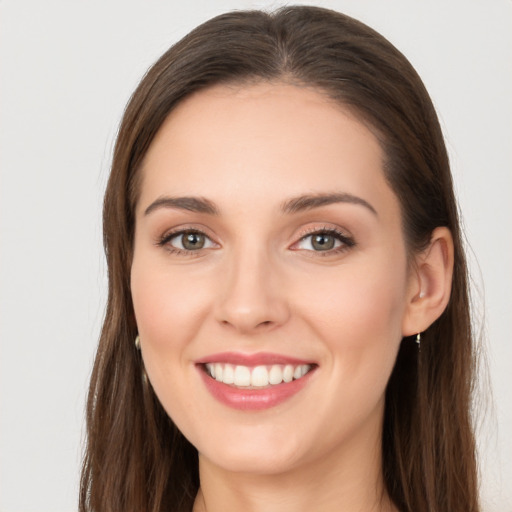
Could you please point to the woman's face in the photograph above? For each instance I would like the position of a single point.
(269, 277)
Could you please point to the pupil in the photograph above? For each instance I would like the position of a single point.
(323, 242)
(193, 241)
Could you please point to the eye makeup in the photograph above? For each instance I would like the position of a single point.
(326, 241)
(323, 241)
(187, 241)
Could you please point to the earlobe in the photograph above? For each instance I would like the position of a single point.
(431, 283)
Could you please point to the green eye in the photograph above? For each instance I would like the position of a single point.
(322, 242)
(188, 241)
(325, 240)
(192, 241)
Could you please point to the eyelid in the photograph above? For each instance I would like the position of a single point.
(163, 240)
(342, 235)
(346, 239)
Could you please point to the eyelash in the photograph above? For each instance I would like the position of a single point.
(347, 242)
(167, 237)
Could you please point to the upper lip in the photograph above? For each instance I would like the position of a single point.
(256, 359)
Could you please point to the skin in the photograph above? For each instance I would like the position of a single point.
(259, 285)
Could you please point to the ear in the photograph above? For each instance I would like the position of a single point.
(430, 283)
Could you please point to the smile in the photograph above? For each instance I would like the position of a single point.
(254, 382)
(256, 377)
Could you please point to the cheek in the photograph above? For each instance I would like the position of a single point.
(168, 310)
(358, 313)
(168, 306)
(358, 317)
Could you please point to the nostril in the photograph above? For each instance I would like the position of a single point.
(265, 323)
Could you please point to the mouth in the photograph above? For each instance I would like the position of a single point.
(254, 382)
(256, 377)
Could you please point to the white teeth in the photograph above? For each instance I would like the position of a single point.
(275, 376)
(228, 377)
(288, 373)
(242, 376)
(218, 372)
(258, 376)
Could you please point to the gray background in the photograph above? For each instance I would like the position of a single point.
(67, 69)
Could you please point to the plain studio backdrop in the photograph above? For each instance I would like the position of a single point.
(67, 69)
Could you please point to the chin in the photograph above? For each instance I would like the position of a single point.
(253, 461)
(262, 452)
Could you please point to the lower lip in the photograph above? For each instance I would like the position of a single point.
(253, 399)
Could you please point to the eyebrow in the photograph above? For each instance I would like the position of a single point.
(293, 205)
(193, 204)
(308, 202)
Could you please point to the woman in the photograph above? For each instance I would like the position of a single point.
(288, 323)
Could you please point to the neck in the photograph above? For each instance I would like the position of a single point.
(347, 479)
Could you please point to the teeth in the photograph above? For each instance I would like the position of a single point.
(288, 373)
(242, 376)
(275, 375)
(218, 372)
(228, 377)
(258, 376)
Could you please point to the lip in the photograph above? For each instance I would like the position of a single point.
(257, 359)
(253, 399)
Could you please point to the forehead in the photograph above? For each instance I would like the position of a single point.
(243, 142)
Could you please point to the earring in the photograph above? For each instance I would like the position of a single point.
(418, 339)
(144, 374)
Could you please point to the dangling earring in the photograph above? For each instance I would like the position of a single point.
(418, 339)
(144, 374)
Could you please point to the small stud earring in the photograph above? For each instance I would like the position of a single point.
(137, 342)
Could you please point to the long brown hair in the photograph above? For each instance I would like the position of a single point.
(136, 459)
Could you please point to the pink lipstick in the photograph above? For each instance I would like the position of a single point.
(254, 381)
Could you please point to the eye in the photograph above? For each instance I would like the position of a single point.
(189, 240)
(324, 241)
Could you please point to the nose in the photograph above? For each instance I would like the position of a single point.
(251, 297)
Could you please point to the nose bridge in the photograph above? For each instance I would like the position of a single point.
(251, 297)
